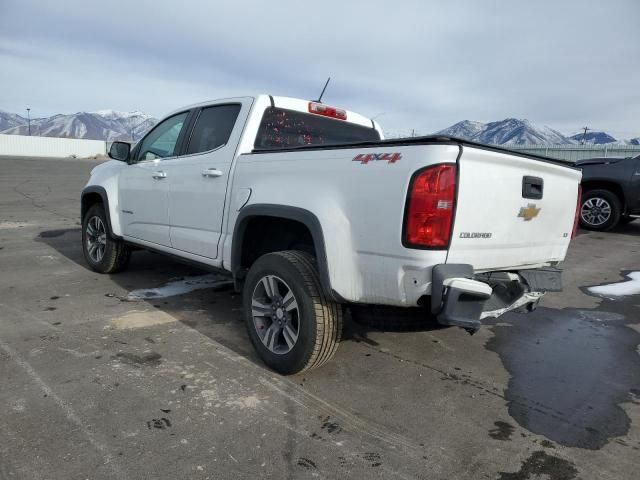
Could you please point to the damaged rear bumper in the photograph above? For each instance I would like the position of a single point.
(461, 298)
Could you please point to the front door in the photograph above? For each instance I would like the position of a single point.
(143, 185)
(198, 178)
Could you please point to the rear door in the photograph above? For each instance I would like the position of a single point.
(512, 211)
(143, 196)
(197, 179)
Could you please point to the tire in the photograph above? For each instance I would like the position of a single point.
(112, 255)
(272, 319)
(600, 210)
(393, 319)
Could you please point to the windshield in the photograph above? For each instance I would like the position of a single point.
(282, 128)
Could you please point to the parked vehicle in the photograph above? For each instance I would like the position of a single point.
(310, 211)
(610, 192)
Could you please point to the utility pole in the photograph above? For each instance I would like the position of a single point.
(29, 120)
(584, 135)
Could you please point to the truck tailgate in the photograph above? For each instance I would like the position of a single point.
(500, 221)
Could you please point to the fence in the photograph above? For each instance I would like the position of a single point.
(578, 152)
(28, 146)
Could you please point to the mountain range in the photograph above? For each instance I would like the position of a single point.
(112, 125)
(106, 125)
(513, 131)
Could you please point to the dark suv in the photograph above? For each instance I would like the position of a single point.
(610, 192)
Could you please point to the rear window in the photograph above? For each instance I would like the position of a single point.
(213, 128)
(282, 128)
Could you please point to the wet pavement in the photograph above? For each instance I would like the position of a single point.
(102, 383)
(570, 372)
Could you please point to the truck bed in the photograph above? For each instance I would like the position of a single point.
(360, 202)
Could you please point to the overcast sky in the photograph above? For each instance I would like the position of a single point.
(413, 64)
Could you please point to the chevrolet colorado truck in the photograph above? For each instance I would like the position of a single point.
(310, 211)
(611, 192)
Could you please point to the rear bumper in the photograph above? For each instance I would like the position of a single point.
(463, 299)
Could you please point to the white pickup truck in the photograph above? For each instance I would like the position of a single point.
(310, 210)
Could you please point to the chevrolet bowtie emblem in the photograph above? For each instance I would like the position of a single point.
(529, 212)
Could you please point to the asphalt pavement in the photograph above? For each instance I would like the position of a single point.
(97, 383)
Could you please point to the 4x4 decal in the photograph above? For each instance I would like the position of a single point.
(365, 158)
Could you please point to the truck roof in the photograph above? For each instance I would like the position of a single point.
(289, 103)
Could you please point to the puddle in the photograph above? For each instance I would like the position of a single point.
(618, 289)
(501, 431)
(542, 465)
(570, 371)
(151, 359)
(181, 286)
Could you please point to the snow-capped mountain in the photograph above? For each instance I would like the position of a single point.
(467, 129)
(593, 138)
(101, 125)
(635, 141)
(510, 131)
(10, 120)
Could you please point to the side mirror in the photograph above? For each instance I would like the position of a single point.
(120, 151)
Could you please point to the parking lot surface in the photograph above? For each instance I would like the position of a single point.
(102, 378)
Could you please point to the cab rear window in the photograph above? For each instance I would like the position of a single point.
(281, 128)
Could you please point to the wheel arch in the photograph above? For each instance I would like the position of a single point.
(90, 196)
(266, 212)
(609, 185)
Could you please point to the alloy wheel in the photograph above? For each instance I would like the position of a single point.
(96, 237)
(595, 211)
(275, 313)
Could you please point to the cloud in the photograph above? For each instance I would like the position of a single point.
(426, 64)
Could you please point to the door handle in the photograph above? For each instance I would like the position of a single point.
(159, 175)
(212, 173)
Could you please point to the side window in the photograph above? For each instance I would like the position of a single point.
(162, 140)
(213, 128)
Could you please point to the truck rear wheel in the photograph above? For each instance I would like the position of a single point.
(291, 323)
(600, 210)
(103, 253)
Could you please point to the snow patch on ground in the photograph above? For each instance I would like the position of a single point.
(179, 287)
(620, 289)
(136, 319)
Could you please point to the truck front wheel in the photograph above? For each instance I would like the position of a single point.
(291, 323)
(103, 253)
(600, 210)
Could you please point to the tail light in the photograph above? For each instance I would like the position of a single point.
(430, 206)
(327, 111)
(577, 216)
